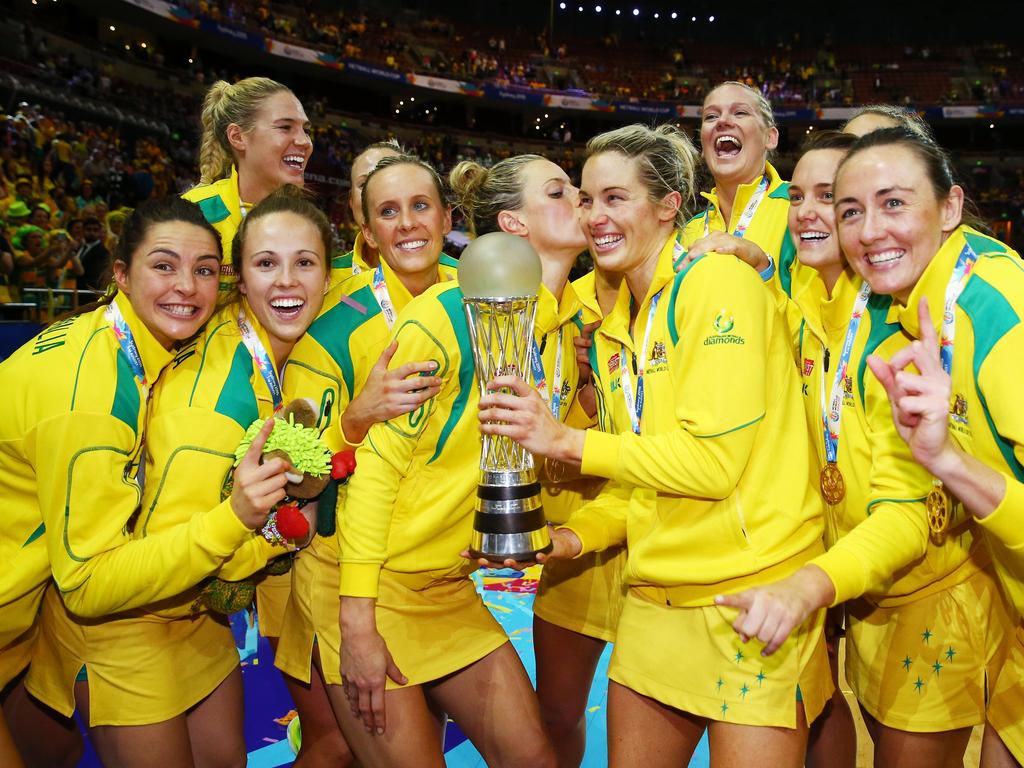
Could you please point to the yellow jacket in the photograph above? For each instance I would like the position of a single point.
(877, 535)
(985, 418)
(70, 442)
(410, 502)
(223, 207)
(711, 506)
(769, 228)
(200, 409)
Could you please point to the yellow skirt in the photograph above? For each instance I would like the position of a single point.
(271, 598)
(312, 614)
(1006, 705)
(141, 669)
(17, 655)
(583, 595)
(434, 623)
(692, 660)
(925, 666)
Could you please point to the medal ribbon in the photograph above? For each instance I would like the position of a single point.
(748, 213)
(554, 398)
(259, 355)
(961, 271)
(380, 291)
(635, 405)
(126, 340)
(832, 409)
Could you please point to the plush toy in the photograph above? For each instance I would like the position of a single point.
(294, 438)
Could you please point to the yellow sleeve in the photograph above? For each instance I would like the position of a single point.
(601, 522)
(1002, 396)
(86, 500)
(708, 449)
(383, 461)
(895, 531)
(249, 558)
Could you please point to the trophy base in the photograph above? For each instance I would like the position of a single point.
(519, 557)
(521, 547)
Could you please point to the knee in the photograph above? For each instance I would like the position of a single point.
(326, 752)
(561, 720)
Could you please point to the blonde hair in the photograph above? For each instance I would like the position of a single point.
(390, 160)
(761, 104)
(228, 103)
(482, 193)
(665, 156)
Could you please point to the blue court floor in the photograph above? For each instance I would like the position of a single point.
(509, 595)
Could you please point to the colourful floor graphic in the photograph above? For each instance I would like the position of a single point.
(509, 595)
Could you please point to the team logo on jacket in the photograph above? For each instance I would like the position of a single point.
(613, 363)
(566, 389)
(808, 366)
(658, 354)
(723, 324)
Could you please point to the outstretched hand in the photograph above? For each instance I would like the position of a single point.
(722, 242)
(524, 417)
(565, 545)
(389, 393)
(920, 401)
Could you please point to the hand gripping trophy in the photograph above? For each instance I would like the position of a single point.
(499, 275)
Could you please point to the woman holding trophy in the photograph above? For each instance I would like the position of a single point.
(578, 602)
(698, 398)
(416, 641)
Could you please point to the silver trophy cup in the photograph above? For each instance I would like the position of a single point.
(499, 275)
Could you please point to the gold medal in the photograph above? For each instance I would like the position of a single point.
(938, 508)
(833, 487)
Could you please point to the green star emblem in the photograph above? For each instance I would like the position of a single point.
(937, 666)
(926, 635)
(738, 657)
(950, 653)
(761, 676)
(906, 663)
(724, 707)
(720, 683)
(918, 684)
(744, 691)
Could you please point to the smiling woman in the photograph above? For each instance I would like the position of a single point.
(746, 211)
(221, 381)
(72, 430)
(255, 139)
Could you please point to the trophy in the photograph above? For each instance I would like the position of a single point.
(499, 275)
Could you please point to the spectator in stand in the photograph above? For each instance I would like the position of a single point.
(94, 258)
(29, 255)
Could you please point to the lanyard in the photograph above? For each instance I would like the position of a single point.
(380, 291)
(957, 281)
(554, 398)
(832, 409)
(259, 355)
(126, 340)
(748, 213)
(635, 405)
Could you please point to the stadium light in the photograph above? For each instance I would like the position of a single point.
(636, 11)
(711, 18)
(562, 6)
(113, 28)
(674, 14)
(657, 16)
(597, 8)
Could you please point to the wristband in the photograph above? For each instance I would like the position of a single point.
(769, 272)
